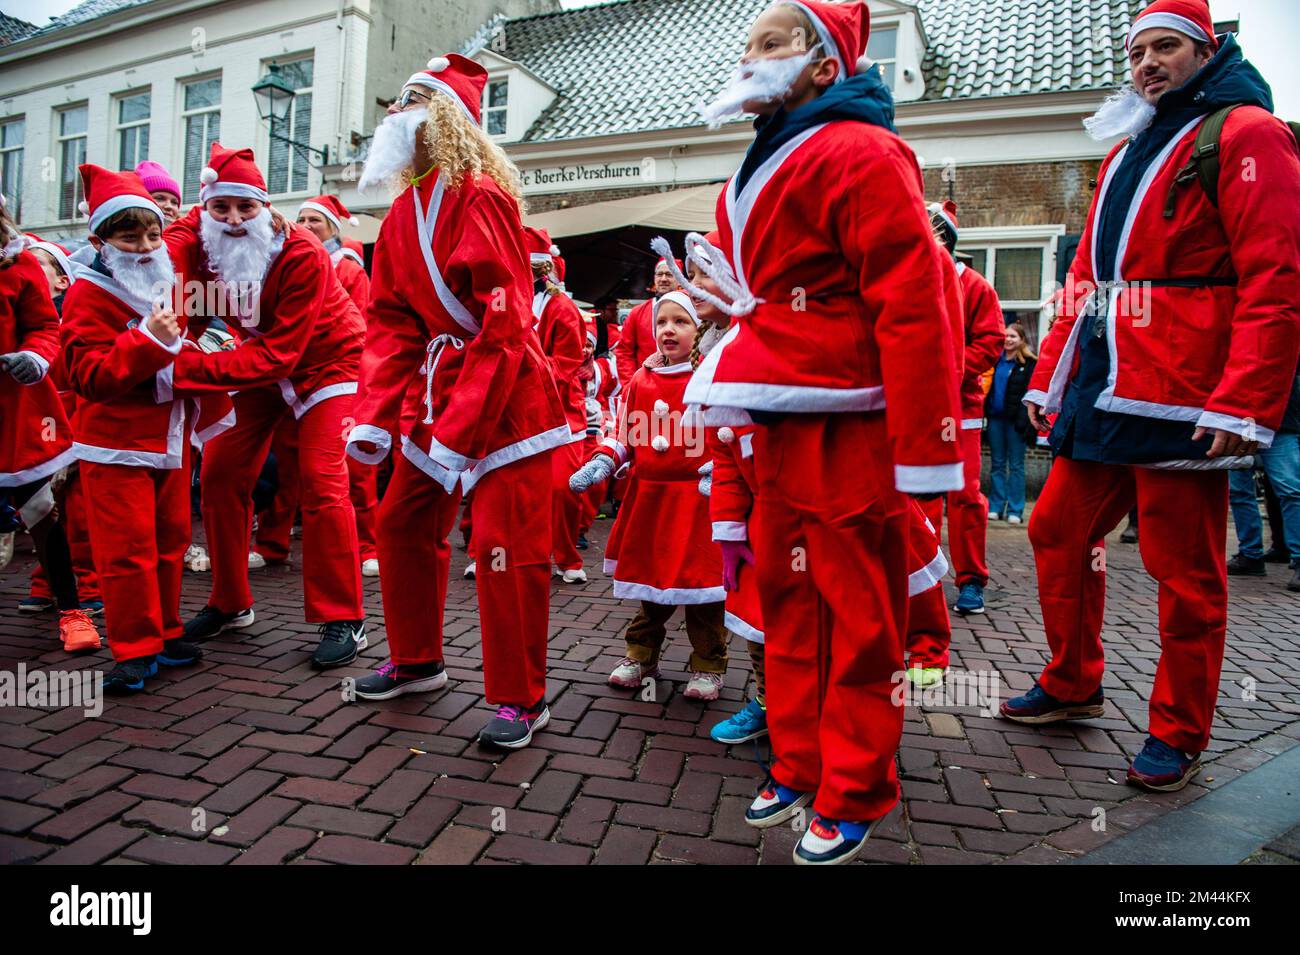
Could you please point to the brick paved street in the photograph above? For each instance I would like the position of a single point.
(284, 770)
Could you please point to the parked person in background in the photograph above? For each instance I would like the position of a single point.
(1009, 430)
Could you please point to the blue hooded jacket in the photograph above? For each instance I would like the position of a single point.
(1082, 432)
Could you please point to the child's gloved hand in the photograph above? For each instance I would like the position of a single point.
(592, 473)
(23, 366)
(735, 554)
(706, 478)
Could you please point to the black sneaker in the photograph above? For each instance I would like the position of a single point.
(340, 642)
(210, 622)
(1293, 584)
(178, 653)
(582, 543)
(1130, 534)
(391, 680)
(129, 675)
(1274, 555)
(1243, 566)
(513, 726)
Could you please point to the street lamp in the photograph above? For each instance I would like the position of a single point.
(274, 98)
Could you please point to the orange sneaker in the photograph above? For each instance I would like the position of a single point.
(78, 631)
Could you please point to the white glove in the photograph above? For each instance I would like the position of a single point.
(23, 366)
(592, 473)
(706, 478)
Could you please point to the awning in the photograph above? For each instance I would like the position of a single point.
(366, 231)
(688, 210)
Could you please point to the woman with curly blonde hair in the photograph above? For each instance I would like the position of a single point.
(450, 321)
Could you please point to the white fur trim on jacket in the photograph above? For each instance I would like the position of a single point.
(929, 478)
(381, 439)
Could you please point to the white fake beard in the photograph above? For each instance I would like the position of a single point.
(146, 275)
(1123, 113)
(239, 260)
(762, 81)
(392, 150)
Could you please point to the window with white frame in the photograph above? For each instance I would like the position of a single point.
(201, 127)
(495, 107)
(288, 168)
(882, 46)
(132, 129)
(1019, 261)
(70, 128)
(12, 134)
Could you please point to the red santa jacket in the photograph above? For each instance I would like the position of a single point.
(307, 334)
(984, 333)
(1219, 356)
(449, 307)
(560, 329)
(35, 438)
(636, 341)
(604, 389)
(843, 266)
(354, 279)
(129, 412)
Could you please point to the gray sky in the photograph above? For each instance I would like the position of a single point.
(1269, 29)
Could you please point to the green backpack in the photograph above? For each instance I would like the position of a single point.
(1204, 163)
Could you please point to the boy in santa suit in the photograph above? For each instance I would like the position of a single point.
(324, 217)
(120, 341)
(559, 326)
(60, 273)
(35, 437)
(826, 230)
(660, 551)
(636, 338)
(983, 331)
(301, 345)
(1163, 385)
(450, 309)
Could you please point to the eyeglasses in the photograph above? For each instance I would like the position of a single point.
(404, 99)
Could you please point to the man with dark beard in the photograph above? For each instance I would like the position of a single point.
(302, 342)
(1170, 360)
(449, 309)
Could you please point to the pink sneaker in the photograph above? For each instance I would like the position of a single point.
(629, 673)
(703, 686)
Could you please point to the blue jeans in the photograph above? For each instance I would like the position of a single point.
(1007, 455)
(1281, 463)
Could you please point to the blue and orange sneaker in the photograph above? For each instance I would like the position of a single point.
(1037, 706)
(749, 723)
(831, 842)
(774, 805)
(1161, 768)
(513, 726)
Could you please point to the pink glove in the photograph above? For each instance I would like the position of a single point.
(735, 554)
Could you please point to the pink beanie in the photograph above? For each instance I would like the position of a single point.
(156, 178)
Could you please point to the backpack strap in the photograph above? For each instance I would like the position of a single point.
(1203, 165)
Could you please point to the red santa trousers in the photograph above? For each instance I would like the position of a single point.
(566, 507)
(831, 537)
(139, 531)
(72, 508)
(512, 544)
(968, 518)
(1184, 521)
(231, 461)
(929, 631)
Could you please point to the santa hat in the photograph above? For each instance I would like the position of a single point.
(539, 245)
(232, 172)
(589, 324)
(458, 77)
(354, 250)
(1190, 17)
(55, 251)
(945, 213)
(108, 193)
(680, 298)
(333, 209)
(842, 29)
(156, 178)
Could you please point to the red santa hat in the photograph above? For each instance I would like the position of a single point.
(945, 212)
(1190, 17)
(680, 298)
(842, 29)
(589, 325)
(354, 250)
(333, 209)
(108, 193)
(55, 251)
(232, 172)
(458, 77)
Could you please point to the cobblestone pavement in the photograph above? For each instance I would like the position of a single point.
(253, 757)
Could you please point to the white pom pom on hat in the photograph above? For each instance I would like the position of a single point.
(555, 250)
(438, 64)
(83, 207)
(659, 443)
(354, 221)
(208, 176)
(864, 63)
(661, 408)
(726, 435)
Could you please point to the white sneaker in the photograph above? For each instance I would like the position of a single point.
(196, 559)
(255, 560)
(6, 549)
(1014, 519)
(703, 686)
(578, 576)
(470, 570)
(629, 674)
(370, 568)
